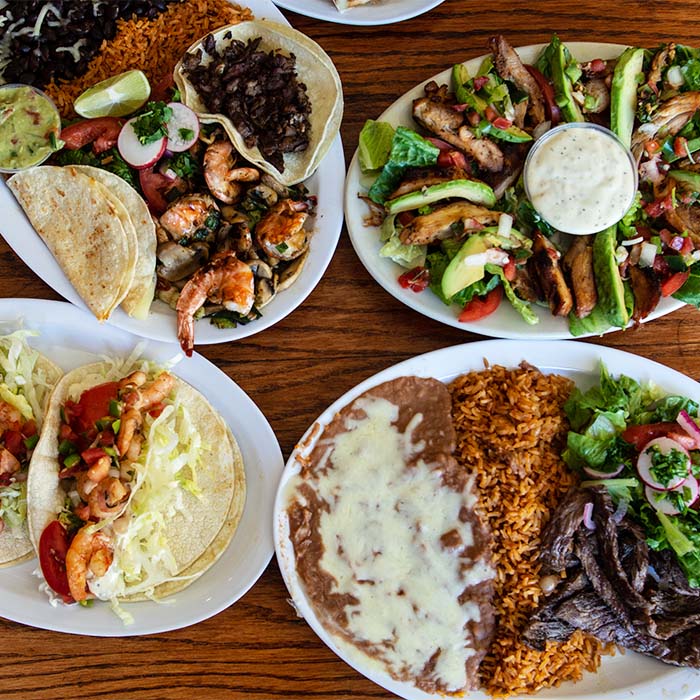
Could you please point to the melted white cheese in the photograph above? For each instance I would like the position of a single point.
(580, 179)
(382, 545)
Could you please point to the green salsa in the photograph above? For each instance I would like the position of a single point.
(29, 127)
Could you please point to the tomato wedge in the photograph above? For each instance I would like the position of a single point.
(479, 307)
(53, 547)
(674, 283)
(640, 435)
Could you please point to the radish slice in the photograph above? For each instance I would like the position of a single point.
(660, 500)
(183, 128)
(136, 154)
(644, 464)
(596, 474)
(690, 426)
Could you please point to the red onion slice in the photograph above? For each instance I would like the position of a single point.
(588, 516)
(596, 474)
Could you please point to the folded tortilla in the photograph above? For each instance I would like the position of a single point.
(15, 544)
(314, 68)
(343, 5)
(202, 527)
(87, 229)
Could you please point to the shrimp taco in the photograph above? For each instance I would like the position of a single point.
(135, 487)
(275, 91)
(26, 380)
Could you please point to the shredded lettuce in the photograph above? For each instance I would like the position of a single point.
(408, 256)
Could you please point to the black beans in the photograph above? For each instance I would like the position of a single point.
(36, 60)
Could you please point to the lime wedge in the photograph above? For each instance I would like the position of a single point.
(115, 97)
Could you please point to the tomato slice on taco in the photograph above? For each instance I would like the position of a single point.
(135, 487)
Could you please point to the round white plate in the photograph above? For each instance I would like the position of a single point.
(378, 12)
(626, 675)
(505, 322)
(326, 183)
(67, 337)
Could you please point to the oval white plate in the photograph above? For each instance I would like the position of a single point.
(505, 322)
(626, 675)
(326, 183)
(68, 338)
(382, 12)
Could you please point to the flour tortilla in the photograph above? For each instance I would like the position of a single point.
(15, 544)
(87, 229)
(138, 300)
(197, 536)
(314, 68)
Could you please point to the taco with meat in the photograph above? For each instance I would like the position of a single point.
(26, 380)
(276, 93)
(135, 487)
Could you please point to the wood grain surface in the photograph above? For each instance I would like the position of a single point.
(347, 330)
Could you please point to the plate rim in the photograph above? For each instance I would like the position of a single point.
(366, 251)
(42, 312)
(573, 356)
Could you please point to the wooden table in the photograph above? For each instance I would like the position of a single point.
(347, 330)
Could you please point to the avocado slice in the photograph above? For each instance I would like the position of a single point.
(611, 291)
(461, 272)
(471, 190)
(512, 134)
(623, 93)
(563, 85)
(687, 177)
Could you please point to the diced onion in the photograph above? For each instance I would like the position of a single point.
(540, 129)
(689, 425)
(633, 241)
(675, 76)
(621, 254)
(648, 254)
(505, 224)
(588, 516)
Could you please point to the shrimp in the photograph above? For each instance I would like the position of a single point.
(89, 551)
(10, 417)
(190, 214)
(148, 396)
(9, 464)
(280, 233)
(107, 498)
(137, 378)
(100, 469)
(221, 177)
(131, 422)
(223, 280)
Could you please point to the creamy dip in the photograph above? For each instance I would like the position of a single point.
(580, 178)
(29, 127)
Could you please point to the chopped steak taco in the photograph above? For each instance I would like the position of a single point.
(135, 487)
(26, 380)
(275, 91)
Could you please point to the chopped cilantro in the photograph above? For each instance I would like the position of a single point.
(282, 247)
(151, 125)
(184, 165)
(667, 467)
(185, 134)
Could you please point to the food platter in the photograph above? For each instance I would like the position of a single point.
(326, 183)
(504, 322)
(63, 338)
(622, 675)
(385, 12)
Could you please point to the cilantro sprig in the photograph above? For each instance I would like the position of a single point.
(152, 125)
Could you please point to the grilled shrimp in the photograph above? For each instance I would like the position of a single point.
(10, 417)
(147, 396)
(131, 422)
(88, 551)
(9, 464)
(107, 498)
(280, 233)
(190, 214)
(222, 178)
(223, 280)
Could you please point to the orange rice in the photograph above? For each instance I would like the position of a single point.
(154, 46)
(511, 429)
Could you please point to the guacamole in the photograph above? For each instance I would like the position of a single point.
(29, 127)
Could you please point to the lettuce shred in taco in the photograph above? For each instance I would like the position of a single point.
(26, 379)
(136, 485)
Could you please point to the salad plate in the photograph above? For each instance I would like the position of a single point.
(374, 13)
(63, 335)
(628, 675)
(505, 322)
(326, 184)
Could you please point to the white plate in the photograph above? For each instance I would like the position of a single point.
(381, 12)
(326, 183)
(626, 675)
(505, 322)
(68, 338)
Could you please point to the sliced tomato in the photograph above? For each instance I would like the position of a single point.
(92, 454)
(416, 279)
(509, 269)
(480, 307)
(453, 158)
(480, 81)
(102, 133)
(552, 111)
(154, 186)
(94, 404)
(157, 410)
(29, 428)
(53, 547)
(680, 146)
(65, 432)
(14, 442)
(502, 123)
(490, 113)
(640, 435)
(673, 283)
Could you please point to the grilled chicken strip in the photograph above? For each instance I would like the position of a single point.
(545, 262)
(510, 67)
(440, 223)
(672, 116)
(578, 265)
(685, 217)
(646, 289)
(444, 122)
